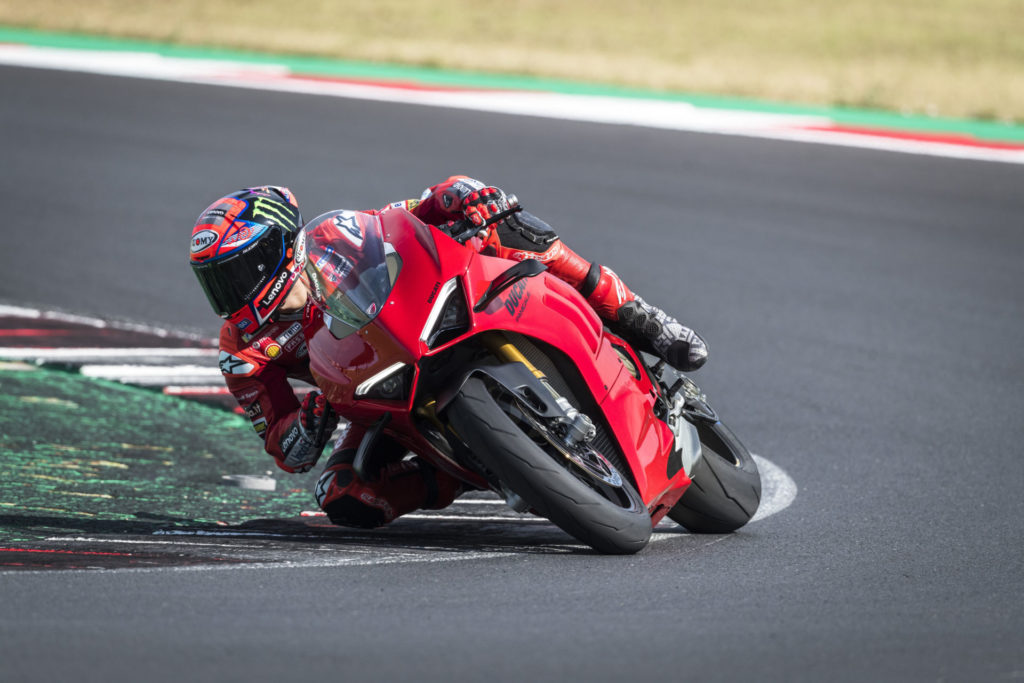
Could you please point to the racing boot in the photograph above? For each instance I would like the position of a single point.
(651, 329)
(646, 327)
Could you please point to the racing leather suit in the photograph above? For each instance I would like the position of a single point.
(257, 369)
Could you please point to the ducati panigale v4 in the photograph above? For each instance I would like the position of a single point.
(502, 375)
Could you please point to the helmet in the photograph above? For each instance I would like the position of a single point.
(241, 251)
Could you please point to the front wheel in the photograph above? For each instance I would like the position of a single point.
(726, 488)
(610, 519)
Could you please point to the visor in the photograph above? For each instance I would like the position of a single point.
(233, 281)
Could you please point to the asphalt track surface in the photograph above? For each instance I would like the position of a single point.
(864, 314)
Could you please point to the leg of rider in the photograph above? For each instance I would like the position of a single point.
(646, 326)
(400, 487)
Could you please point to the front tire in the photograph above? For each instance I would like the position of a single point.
(550, 487)
(726, 488)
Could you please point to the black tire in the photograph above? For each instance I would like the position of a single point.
(550, 488)
(726, 488)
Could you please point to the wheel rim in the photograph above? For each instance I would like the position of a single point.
(587, 464)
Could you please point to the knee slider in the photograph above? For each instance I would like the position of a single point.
(338, 494)
(350, 512)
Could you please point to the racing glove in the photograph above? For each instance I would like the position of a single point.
(482, 209)
(305, 441)
(317, 418)
(489, 206)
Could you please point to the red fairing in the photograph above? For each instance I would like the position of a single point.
(544, 308)
(552, 311)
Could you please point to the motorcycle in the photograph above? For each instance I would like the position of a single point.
(502, 375)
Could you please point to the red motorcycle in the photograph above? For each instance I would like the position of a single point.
(503, 376)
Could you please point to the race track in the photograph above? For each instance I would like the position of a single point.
(864, 311)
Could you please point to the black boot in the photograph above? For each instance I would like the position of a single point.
(652, 330)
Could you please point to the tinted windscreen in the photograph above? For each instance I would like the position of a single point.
(346, 261)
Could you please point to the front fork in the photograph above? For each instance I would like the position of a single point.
(578, 427)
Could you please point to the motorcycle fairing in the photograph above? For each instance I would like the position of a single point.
(542, 307)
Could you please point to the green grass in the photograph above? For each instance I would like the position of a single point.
(950, 58)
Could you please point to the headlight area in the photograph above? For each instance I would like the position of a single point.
(391, 384)
(449, 317)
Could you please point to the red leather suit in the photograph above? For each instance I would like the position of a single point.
(257, 369)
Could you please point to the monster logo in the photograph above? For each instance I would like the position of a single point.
(276, 211)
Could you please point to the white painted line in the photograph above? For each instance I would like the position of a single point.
(217, 532)
(117, 541)
(83, 353)
(778, 490)
(139, 373)
(7, 310)
(653, 113)
(890, 144)
(202, 389)
(474, 518)
(328, 561)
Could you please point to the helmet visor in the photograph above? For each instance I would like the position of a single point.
(233, 281)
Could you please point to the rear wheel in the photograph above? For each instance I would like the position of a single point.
(584, 495)
(726, 488)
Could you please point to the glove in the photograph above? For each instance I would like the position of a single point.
(317, 418)
(489, 206)
(304, 441)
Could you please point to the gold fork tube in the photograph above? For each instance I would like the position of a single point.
(502, 348)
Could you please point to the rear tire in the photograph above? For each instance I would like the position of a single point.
(550, 487)
(726, 488)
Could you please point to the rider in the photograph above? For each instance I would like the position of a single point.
(241, 253)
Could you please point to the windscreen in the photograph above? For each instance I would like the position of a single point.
(351, 269)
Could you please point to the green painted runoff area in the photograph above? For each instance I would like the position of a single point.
(85, 456)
